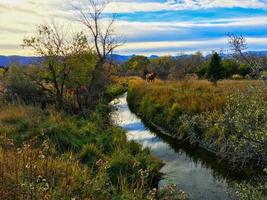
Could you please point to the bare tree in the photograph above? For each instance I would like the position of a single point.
(104, 41)
(239, 46)
(100, 30)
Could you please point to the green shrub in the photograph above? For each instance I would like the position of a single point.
(134, 148)
(121, 165)
(115, 90)
(90, 154)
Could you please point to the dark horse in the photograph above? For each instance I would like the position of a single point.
(151, 77)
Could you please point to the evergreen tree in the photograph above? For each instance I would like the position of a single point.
(215, 69)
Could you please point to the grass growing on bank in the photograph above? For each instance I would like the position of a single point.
(229, 119)
(46, 154)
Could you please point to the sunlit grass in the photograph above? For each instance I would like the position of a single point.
(195, 95)
(228, 119)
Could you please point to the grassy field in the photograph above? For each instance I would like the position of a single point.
(194, 96)
(229, 119)
(47, 154)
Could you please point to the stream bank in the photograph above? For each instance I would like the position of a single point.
(194, 171)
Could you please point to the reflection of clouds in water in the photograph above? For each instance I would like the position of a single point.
(140, 135)
(135, 126)
(191, 176)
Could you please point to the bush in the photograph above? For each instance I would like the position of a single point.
(115, 90)
(90, 154)
(121, 165)
(21, 85)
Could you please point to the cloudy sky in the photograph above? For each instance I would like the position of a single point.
(149, 26)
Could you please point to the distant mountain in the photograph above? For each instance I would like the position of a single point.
(120, 58)
(124, 58)
(153, 56)
(24, 60)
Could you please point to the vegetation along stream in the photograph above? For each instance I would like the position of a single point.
(194, 170)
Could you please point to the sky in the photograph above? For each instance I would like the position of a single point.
(149, 27)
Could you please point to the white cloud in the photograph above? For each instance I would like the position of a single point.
(199, 4)
(175, 47)
(132, 29)
(19, 18)
(172, 47)
(133, 6)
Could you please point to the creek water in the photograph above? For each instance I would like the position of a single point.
(193, 170)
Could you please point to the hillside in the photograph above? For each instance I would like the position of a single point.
(24, 60)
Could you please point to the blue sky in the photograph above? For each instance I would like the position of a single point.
(149, 26)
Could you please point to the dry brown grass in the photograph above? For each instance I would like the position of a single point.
(195, 95)
(27, 173)
(11, 114)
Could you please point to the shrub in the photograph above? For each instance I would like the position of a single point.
(90, 154)
(115, 90)
(121, 165)
(20, 85)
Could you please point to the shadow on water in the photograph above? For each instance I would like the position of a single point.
(195, 170)
(198, 155)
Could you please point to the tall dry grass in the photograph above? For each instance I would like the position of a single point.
(193, 95)
(228, 119)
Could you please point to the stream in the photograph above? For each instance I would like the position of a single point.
(193, 170)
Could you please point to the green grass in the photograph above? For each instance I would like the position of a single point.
(49, 154)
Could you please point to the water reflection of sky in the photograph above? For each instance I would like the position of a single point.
(194, 178)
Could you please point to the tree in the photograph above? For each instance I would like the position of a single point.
(162, 66)
(230, 67)
(239, 46)
(101, 31)
(215, 69)
(53, 44)
(138, 65)
(185, 64)
(103, 38)
(20, 85)
(202, 70)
